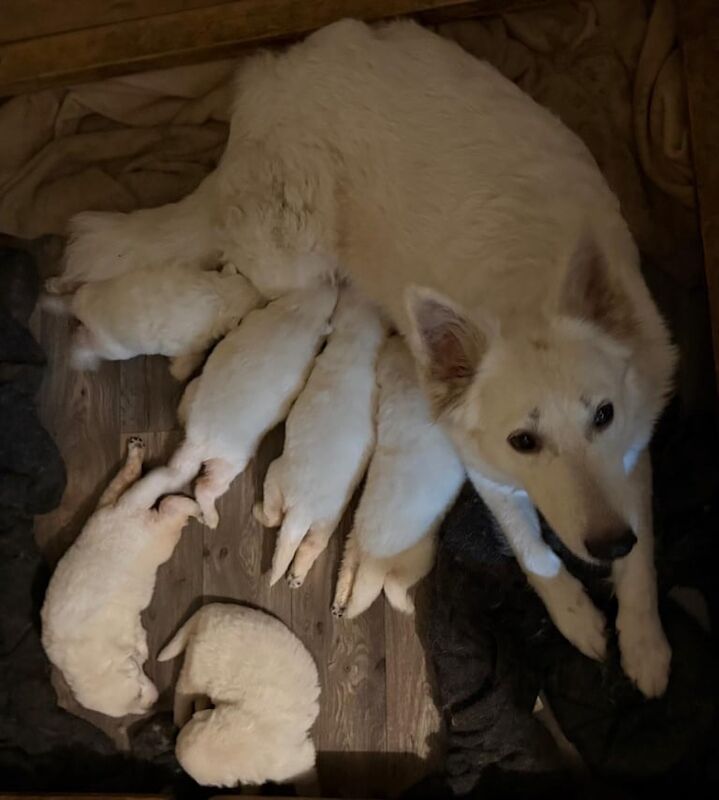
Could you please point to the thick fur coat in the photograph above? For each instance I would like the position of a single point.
(263, 686)
(91, 627)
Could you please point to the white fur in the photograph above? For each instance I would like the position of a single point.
(396, 154)
(91, 627)
(329, 436)
(264, 687)
(175, 311)
(246, 388)
(413, 478)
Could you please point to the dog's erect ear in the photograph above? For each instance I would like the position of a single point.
(447, 345)
(589, 292)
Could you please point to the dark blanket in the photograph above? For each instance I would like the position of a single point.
(493, 647)
(43, 747)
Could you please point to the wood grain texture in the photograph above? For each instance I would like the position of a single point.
(373, 723)
(126, 43)
(699, 35)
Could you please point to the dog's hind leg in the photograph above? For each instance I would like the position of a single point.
(367, 587)
(272, 508)
(289, 537)
(84, 355)
(182, 367)
(128, 474)
(215, 479)
(313, 544)
(346, 577)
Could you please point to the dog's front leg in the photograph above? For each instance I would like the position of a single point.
(646, 655)
(568, 604)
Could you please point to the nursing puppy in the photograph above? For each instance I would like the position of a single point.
(91, 627)
(413, 478)
(246, 388)
(540, 347)
(175, 311)
(264, 687)
(329, 436)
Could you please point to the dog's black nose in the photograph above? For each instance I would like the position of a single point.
(609, 548)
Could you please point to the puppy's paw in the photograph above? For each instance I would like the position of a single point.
(294, 581)
(338, 610)
(646, 654)
(136, 444)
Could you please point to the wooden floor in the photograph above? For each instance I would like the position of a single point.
(374, 732)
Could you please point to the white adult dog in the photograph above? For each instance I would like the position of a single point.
(397, 155)
(264, 687)
(329, 437)
(413, 478)
(176, 311)
(91, 626)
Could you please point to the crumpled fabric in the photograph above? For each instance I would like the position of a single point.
(610, 69)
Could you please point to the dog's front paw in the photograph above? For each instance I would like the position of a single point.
(135, 443)
(646, 654)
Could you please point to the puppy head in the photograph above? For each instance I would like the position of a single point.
(559, 405)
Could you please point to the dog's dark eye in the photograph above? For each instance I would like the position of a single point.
(524, 442)
(603, 416)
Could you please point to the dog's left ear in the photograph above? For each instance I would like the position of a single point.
(588, 292)
(447, 345)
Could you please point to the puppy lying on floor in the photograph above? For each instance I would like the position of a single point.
(175, 311)
(264, 687)
(246, 388)
(329, 438)
(91, 628)
(413, 478)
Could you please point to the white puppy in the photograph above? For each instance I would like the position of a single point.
(246, 388)
(264, 687)
(413, 478)
(91, 627)
(328, 441)
(175, 311)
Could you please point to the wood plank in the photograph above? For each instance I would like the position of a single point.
(25, 19)
(350, 656)
(149, 395)
(699, 35)
(413, 721)
(185, 36)
(178, 588)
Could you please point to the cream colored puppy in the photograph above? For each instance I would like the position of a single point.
(91, 627)
(413, 478)
(175, 311)
(328, 441)
(246, 388)
(264, 687)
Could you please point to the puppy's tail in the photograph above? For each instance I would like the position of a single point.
(396, 591)
(179, 641)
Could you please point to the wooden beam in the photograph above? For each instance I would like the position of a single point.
(182, 36)
(699, 35)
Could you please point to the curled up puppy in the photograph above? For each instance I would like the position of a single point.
(176, 311)
(329, 437)
(413, 479)
(246, 388)
(91, 627)
(264, 687)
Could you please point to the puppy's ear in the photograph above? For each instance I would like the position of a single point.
(590, 293)
(448, 346)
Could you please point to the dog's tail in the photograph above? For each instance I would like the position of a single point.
(397, 593)
(179, 641)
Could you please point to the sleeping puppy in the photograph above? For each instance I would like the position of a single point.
(413, 478)
(91, 628)
(264, 687)
(174, 311)
(329, 438)
(246, 388)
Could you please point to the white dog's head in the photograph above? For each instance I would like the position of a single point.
(559, 405)
(116, 688)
